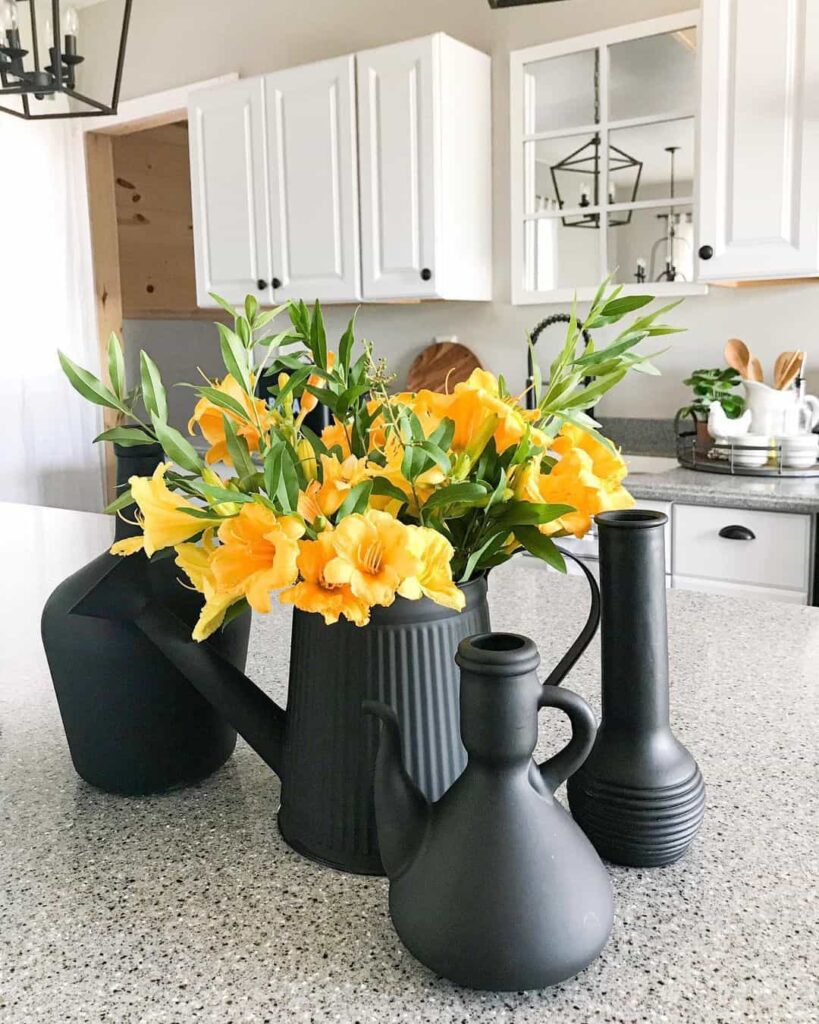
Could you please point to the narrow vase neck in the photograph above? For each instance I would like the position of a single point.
(634, 634)
(138, 460)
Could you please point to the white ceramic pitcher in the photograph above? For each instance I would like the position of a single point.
(778, 413)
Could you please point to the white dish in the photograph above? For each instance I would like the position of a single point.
(751, 451)
(800, 451)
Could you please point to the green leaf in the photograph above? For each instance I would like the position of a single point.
(496, 540)
(463, 493)
(224, 401)
(273, 469)
(176, 447)
(120, 502)
(356, 501)
(234, 356)
(90, 387)
(116, 366)
(627, 304)
(126, 436)
(439, 457)
(153, 392)
(443, 434)
(263, 319)
(251, 307)
(226, 306)
(234, 611)
(221, 494)
(540, 546)
(237, 449)
(345, 346)
(318, 337)
(288, 492)
(529, 513)
(383, 487)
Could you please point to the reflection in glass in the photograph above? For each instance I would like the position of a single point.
(662, 148)
(653, 75)
(556, 256)
(658, 245)
(560, 92)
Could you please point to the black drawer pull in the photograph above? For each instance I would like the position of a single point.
(426, 274)
(706, 252)
(737, 533)
(261, 284)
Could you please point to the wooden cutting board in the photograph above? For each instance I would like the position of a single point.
(441, 366)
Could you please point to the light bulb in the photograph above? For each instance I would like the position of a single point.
(48, 32)
(71, 22)
(8, 15)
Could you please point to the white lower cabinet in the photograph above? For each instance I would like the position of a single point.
(742, 551)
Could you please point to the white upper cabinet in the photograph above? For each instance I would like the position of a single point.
(311, 133)
(229, 191)
(396, 141)
(759, 139)
(425, 170)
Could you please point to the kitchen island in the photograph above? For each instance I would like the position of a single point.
(189, 907)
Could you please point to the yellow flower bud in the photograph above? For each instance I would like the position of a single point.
(307, 458)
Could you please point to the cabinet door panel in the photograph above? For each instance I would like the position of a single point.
(759, 151)
(229, 191)
(314, 208)
(397, 168)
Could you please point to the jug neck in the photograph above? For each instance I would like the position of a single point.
(634, 631)
(136, 460)
(499, 697)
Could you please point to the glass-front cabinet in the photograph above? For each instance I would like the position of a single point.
(603, 157)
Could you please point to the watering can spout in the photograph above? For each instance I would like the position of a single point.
(257, 718)
(402, 811)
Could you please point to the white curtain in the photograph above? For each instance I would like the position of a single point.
(46, 455)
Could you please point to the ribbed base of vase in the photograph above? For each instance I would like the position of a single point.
(638, 827)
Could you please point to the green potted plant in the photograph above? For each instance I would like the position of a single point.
(715, 385)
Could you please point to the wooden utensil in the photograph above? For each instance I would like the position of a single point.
(738, 357)
(755, 370)
(780, 366)
(791, 371)
(441, 366)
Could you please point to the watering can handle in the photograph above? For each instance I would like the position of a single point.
(584, 729)
(585, 636)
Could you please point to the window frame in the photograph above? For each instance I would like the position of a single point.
(518, 137)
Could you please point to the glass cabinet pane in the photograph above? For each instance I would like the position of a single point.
(659, 148)
(560, 92)
(557, 256)
(559, 173)
(653, 75)
(645, 246)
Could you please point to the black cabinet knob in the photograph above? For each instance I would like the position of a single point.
(426, 274)
(276, 283)
(706, 252)
(737, 533)
(261, 284)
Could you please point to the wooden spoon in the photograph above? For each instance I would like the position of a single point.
(780, 366)
(791, 371)
(755, 370)
(738, 357)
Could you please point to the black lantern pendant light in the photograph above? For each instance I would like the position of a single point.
(587, 160)
(39, 61)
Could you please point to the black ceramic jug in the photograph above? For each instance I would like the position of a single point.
(640, 796)
(494, 886)
(133, 722)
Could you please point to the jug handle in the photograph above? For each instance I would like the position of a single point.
(812, 402)
(584, 729)
(585, 636)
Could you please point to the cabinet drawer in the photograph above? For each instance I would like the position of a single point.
(776, 552)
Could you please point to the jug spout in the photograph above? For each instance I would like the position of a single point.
(402, 810)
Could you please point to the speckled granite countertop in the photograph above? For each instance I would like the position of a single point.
(794, 494)
(189, 907)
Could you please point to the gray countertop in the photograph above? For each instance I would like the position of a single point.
(794, 494)
(189, 907)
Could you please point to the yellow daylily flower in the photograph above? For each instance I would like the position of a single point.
(209, 419)
(195, 560)
(334, 435)
(258, 554)
(314, 593)
(162, 516)
(434, 577)
(337, 480)
(373, 556)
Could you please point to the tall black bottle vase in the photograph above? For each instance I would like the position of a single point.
(639, 797)
(133, 722)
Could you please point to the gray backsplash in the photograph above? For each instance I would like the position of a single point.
(639, 436)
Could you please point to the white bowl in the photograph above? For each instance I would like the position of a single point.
(800, 451)
(750, 452)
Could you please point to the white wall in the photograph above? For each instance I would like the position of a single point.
(173, 42)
